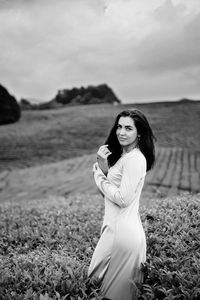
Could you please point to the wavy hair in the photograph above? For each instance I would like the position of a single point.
(145, 142)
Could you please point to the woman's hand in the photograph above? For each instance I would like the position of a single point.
(102, 156)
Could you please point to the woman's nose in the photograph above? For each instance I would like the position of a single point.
(122, 131)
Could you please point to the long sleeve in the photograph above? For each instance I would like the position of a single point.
(134, 169)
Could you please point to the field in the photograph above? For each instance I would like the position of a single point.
(176, 170)
(51, 152)
(50, 136)
(51, 212)
(46, 247)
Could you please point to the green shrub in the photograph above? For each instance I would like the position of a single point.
(173, 249)
(45, 250)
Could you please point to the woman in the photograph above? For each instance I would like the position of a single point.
(119, 174)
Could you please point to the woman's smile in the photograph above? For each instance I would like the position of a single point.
(122, 138)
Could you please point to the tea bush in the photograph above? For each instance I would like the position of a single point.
(172, 270)
(45, 249)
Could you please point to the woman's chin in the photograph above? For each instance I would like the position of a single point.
(123, 143)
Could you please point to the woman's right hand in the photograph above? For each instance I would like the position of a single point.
(102, 156)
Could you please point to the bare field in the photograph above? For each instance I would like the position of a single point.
(176, 170)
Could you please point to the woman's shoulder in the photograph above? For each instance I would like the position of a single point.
(135, 153)
(134, 156)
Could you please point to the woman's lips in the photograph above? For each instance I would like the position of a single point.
(122, 139)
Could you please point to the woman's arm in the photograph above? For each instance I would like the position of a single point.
(134, 170)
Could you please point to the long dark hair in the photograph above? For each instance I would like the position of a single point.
(145, 142)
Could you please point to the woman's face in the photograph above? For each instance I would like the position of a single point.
(126, 132)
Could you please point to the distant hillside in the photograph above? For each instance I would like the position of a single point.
(186, 100)
(9, 108)
(44, 136)
(76, 96)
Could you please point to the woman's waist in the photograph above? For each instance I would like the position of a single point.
(121, 215)
(124, 226)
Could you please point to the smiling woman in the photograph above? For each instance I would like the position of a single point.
(127, 133)
(119, 174)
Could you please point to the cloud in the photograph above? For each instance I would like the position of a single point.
(168, 12)
(42, 40)
(48, 45)
(165, 63)
(176, 46)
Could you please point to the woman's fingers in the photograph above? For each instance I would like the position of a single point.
(104, 148)
(103, 152)
(103, 155)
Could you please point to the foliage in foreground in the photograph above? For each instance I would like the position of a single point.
(173, 250)
(45, 250)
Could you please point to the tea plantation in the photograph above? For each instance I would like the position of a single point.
(46, 247)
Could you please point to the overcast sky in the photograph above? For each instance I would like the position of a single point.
(145, 50)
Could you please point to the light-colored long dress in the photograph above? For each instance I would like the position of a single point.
(121, 248)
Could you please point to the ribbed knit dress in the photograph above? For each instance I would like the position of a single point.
(121, 248)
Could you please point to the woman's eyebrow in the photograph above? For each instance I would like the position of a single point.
(130, 126)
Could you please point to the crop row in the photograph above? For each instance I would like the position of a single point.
(176, 170)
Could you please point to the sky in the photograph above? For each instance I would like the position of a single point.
(145, 50)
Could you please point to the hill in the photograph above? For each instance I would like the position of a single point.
(54, 135)
(51, 152)
(76, 96)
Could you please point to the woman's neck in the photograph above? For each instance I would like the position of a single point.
(129, 148)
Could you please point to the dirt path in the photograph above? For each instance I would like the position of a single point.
(176, 170)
